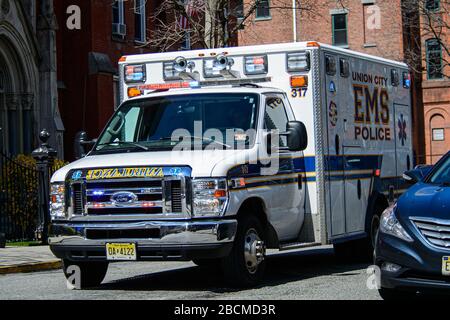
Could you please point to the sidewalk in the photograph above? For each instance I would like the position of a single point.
(27, 259)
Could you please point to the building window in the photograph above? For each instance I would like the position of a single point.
(140, 21)
(438, 134)
(434, 59)
(432, 5)
(239, 12)
(118, 21)
(339, 25)
(263, 9)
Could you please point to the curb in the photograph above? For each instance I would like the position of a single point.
(31, 267)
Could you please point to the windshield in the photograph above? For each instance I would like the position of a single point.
(441, 174)
(225, 120)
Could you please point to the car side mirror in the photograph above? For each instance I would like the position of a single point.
(417, 174)
(412, 176)
(297, 136)
(82, 143)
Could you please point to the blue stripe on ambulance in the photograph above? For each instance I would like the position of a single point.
(353, 168)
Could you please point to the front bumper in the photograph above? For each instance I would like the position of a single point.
(421, 265)
(155, 240)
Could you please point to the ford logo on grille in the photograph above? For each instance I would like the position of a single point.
(123, 198)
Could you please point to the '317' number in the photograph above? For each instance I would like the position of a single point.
(299, 93)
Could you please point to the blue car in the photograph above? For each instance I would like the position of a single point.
(413, 242)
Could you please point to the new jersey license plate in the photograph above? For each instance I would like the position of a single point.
(446, 266)
(121, 251)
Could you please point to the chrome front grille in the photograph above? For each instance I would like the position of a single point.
(175, 193)
(78, 198)
(146, 196)
(435, 231)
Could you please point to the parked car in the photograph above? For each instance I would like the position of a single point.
(413, 243)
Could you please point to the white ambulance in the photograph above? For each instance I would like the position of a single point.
(282, 146)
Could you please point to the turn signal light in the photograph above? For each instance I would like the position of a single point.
(220, 193)
(299, 81)
(134, 92)
(313, 44)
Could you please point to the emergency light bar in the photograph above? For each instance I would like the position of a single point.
(298, 62)
(173, 69)
(256, 65)
(213, 68)
(135, 73)
(406, 80)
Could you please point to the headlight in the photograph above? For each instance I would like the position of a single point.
(210, 197)
(390, 225)
(57, 205)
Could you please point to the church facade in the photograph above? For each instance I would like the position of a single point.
(28, 84)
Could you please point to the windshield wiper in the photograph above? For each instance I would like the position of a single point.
(194, 138)
(210, 140)
(135, 144)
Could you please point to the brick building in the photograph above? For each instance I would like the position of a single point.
(371, 26)
(87, 59)
(436, 80)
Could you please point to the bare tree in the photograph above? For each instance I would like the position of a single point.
(213, 23)
(427, 20)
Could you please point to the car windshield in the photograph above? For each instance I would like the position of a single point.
(224, 120)
(441, 174)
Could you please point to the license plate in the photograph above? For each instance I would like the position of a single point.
(121, 251)
(446, 266)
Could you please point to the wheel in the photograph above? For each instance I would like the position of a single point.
(207, 263)
(91, 273)
(245, 265)
(394, 294)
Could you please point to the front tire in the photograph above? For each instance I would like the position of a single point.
(91, 274)
(245, 265)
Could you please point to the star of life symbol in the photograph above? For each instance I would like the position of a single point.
(402, 135)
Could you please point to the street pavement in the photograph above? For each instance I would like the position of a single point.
(310, 274)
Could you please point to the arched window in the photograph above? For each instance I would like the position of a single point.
(434, 59)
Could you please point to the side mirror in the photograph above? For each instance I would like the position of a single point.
(412, 176)
(416, 175)
(81, 143)
(297, 136)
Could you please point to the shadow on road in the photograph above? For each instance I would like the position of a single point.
(281, 268)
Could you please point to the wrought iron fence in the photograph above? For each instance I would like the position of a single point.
(18, 199)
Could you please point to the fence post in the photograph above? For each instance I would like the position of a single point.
(44, 156)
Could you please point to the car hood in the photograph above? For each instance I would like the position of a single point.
(425, 200)
(203, 163)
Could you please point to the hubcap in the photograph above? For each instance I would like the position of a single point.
(254, 251)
